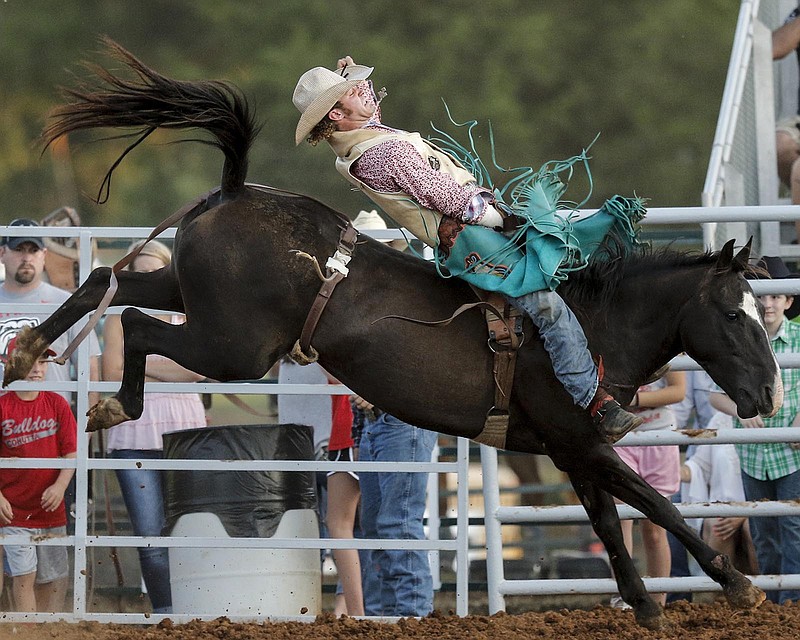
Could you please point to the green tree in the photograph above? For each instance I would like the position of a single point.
(549, 76)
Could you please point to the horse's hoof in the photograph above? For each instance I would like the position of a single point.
(105, 414)
(744, 595)
(27, 349)
(739, 591)
(650, 616)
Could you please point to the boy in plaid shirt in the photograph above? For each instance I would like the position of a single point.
(771, 471)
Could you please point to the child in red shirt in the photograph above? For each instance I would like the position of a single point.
(36, 424)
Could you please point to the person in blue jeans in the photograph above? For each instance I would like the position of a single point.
(396, 582)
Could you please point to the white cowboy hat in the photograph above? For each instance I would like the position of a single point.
(366, 220)
(319, 89)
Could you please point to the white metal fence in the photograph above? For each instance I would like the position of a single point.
(83, 540)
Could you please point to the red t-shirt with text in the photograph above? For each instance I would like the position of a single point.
(40, 428)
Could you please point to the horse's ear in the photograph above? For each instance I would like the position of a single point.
(725, 257)
(742, 259)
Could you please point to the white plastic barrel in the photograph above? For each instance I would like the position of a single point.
(258, 582)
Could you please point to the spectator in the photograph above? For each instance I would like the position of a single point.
(659, 465)
(313, 410)
(771, 471)
(785, 40)
(141, 439)
(36, 424)
(693, 412)
(712, 474)
(397, 582)
(342, 508)
(23, 259)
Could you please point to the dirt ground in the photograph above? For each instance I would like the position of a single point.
(713, 621)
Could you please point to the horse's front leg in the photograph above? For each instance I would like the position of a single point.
(603, 516)
(620, 480)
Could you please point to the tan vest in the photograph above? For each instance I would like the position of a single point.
(401, 207)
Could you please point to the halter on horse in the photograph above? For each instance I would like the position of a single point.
(245, 306)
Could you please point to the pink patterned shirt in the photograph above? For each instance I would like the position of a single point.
(396, 165)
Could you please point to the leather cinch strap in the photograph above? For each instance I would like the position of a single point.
(303, 353)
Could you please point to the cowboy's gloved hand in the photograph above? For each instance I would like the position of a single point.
(491, 218)
(344, 62)
(511, 221)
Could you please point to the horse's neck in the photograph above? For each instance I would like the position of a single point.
(639, 331)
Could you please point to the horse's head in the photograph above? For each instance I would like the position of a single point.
(722, 328)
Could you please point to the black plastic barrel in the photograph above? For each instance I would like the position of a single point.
(252, 504)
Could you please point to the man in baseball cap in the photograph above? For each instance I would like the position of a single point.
(23, 258)
(12, 242)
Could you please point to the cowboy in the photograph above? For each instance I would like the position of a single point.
(427, 191)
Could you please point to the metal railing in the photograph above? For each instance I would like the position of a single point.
(498, 587)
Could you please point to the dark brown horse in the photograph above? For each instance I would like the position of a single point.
(246, 296)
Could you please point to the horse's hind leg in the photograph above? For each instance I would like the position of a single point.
(156, 290)
(602, 513)
(128, 402)
(195, 345)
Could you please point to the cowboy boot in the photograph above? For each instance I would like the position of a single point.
(611, 419)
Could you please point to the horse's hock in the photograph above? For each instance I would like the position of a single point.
(229, 504)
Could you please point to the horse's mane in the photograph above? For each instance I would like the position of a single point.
(612, 262)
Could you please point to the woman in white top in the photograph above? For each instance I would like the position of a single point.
(141, 439)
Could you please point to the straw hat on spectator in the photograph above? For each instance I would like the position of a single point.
(371, 220)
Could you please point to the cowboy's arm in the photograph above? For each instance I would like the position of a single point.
(396, 165)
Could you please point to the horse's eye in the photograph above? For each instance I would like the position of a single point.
(732, 316)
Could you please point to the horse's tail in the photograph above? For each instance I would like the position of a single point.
(150, 101)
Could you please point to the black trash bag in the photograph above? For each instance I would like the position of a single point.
(249, 504)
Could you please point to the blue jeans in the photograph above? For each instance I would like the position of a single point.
(396, 582)
(564, 341)
(679, 561)
(776, 539)
(144, 499)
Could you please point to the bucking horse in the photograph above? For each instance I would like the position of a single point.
(246, 294)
